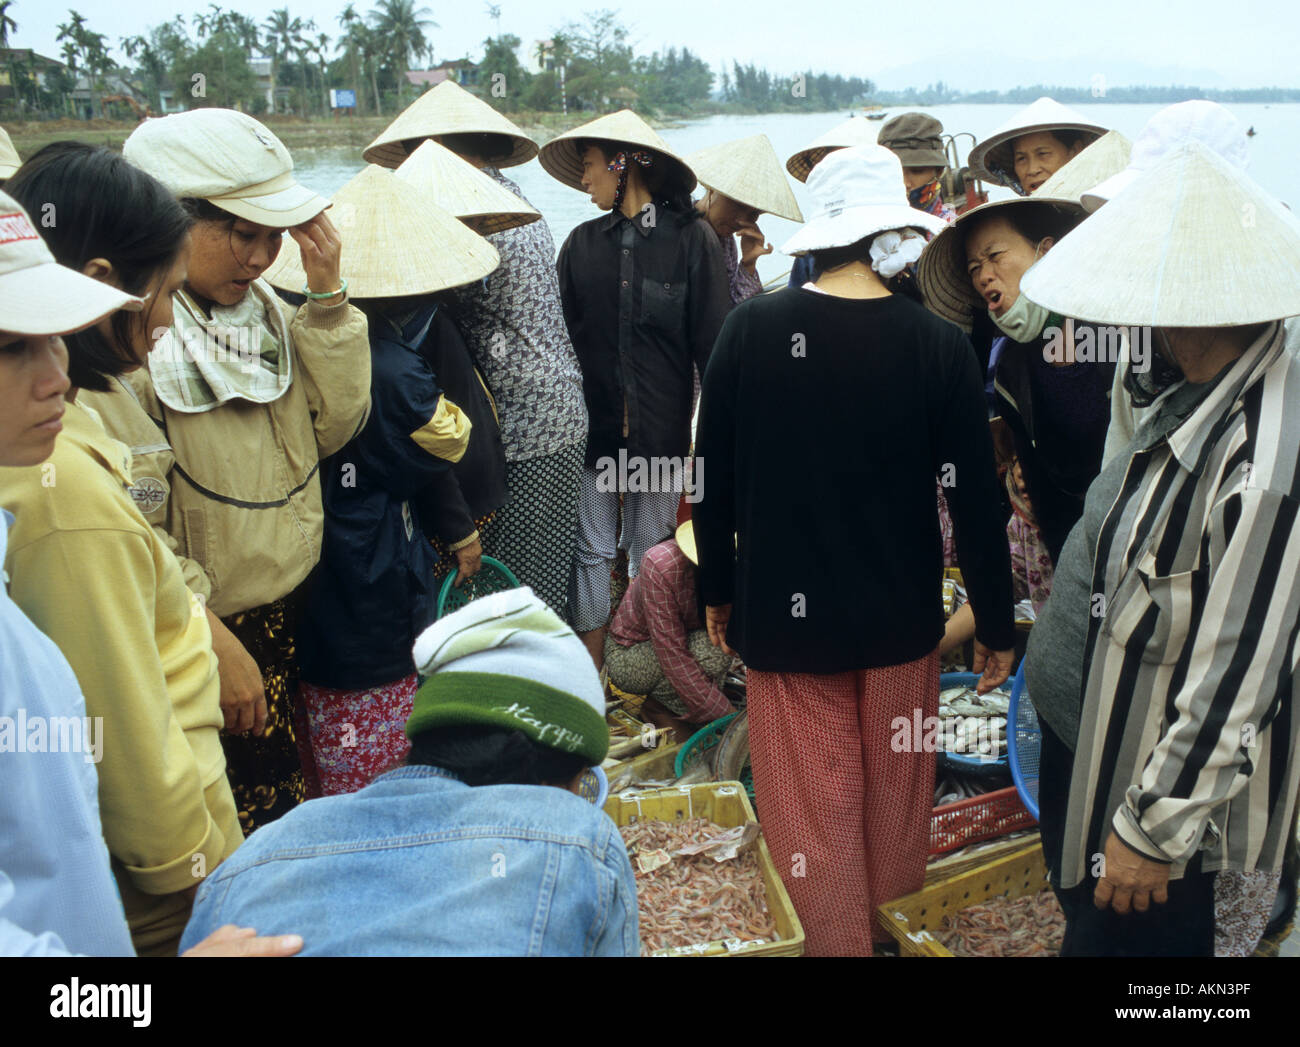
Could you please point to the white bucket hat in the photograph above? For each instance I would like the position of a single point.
(1197, 120)
(842, 136)
(37, 294)
(748, 171)
(447, 109)
(459, 187)
(228, 159)
(562, 161)
(399, 242)
(991, 159)
(858, 191)
(1155, 255)
(10, 161)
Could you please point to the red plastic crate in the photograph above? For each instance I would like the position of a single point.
(978, 818)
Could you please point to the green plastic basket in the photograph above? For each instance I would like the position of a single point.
(493, 577)
(705, 739)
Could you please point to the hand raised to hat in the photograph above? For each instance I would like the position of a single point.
(752, 244)
(321, 248)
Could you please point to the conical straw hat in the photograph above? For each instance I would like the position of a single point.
(1107, 156)
(457, 186)
(396, 242)
(843, 136)
(9, 159)
(563, 162)
(941, 274)
(749, 171)
(1192, 242)
(446, 109)
(991, 159)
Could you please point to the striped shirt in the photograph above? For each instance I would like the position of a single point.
(1188, 738)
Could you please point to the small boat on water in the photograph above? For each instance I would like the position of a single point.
(876, 116)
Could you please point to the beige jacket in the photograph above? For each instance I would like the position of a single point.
(234, 492)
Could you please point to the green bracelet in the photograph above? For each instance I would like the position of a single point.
(328, 294)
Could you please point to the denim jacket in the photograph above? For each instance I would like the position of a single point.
(419, 864)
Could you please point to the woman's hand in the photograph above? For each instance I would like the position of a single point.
(753, 245)
(243, 694)
(243, 941)
(1130, 880)
(715, 620)
(469, 559)
(995, 666)
(959, 628)
(321, 247)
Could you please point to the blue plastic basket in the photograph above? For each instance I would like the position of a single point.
(971, 764)
(1024, 742)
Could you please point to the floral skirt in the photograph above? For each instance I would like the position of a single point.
(357, 735)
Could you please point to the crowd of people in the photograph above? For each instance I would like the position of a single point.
(252, 437)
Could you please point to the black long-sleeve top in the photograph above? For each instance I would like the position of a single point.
(823, 424)
(643, 299)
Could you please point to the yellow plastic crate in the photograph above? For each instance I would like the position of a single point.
(724, 804)
(655, 763)
(911, 919)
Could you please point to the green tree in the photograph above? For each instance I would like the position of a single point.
(401, 26)
(350, 45)
(88, 51)
(500, 60)
(601, 59)
(284, 38)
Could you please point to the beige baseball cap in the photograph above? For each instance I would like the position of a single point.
(39, 296)
(228, 159)
(10, 161)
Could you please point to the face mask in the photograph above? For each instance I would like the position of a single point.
(1025, 320)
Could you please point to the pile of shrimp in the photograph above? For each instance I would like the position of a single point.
(694, 899)
(1032, 925)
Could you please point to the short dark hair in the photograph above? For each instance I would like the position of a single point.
(103, 207)
(485, 145)
(1069, 138)
(1034, 220)
(484, 755)
(201, 210)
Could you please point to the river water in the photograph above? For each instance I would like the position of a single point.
(1274, 160)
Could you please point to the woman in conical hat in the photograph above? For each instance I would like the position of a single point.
(239, 403)
(743, 180)
(391, 488)
(644, 290)
(1030, 147)
(865, 397)
(513, 324)
(1189, 537)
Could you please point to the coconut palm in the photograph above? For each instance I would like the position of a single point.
(401, 25)
(351, 21)
(284, 38)
(7, 24)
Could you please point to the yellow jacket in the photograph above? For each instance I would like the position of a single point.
(94, 577)
(234, 491)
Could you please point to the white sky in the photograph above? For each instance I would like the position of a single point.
(1209, 43)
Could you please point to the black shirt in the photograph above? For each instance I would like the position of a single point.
(644, 300)
(823, 424)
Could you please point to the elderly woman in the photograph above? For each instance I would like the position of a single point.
(644, 289)
(743, 179)
(229, 422)
(1179, 584)
(1033, 145)
(513, 325)
(846, 797)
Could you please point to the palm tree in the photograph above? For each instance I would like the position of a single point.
(401, 25)
(7, 24)
(319, 47)
(284, 38)
(350, 20)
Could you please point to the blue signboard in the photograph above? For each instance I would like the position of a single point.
(342, 98)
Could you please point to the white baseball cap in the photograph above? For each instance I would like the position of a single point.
(9, 158)
(1196, 121)
(228, 159)
(37, 294)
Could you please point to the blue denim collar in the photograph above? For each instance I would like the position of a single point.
(416, 771)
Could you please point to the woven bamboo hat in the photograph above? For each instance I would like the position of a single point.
(396, 241)
(1192, 242)
(991, 160)
(749, 171)
(850, 133)
(459, 187)
(941, 274)
(1107, 156)
(447, 109)
(563, 162)
(9, 158)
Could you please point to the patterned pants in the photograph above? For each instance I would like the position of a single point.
(847, 819)
(533, 532)
(357, 735)
(265, 771)
(647, 520)
(636, 669)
